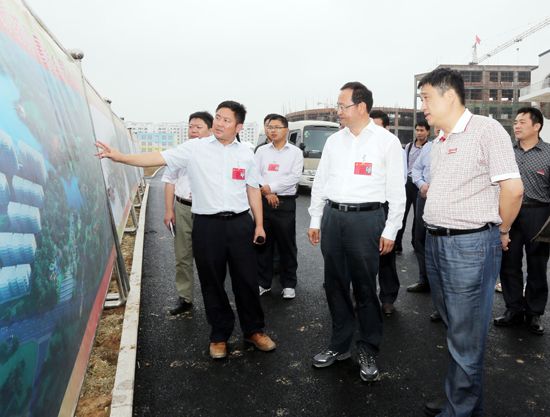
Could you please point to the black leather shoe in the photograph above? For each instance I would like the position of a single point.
(435, 316)
(535, 325)
(388, 309)
(509, 318)
(181, 307)
(434, 407)
(419, 287)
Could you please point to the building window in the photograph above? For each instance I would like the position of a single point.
(506, 113)
(473, 94)
(493, 112)
(524, 77)
(506, 77)
(507, 95)
(493, 77)
(493, 95)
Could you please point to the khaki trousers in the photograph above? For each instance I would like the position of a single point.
(184, 252)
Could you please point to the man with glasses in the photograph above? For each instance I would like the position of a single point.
(280, 164)
(178, 217)
(360, 169)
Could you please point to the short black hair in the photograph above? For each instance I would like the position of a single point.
(422, 123)
(204, 116)
(269, 117)
(444, 79)
(237, 108)
(361, 94)
(280, 118)
(534, 113)
(379, 114)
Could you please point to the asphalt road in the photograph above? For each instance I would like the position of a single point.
(176, 377)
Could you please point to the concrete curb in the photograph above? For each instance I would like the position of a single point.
(123, 391)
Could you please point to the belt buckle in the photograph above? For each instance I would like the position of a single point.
(343, 207)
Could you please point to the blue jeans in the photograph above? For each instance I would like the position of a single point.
(462, 271)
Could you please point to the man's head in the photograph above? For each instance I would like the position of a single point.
(277, 128)
(422, 130)
(380, 118)
(229, 120)
(528, 123)
(200, 125)
(442, 94)
(354, 104)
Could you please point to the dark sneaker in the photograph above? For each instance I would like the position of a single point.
(181, 307)
(369, 369)
(328, 357)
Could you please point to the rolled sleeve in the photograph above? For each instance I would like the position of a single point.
(253, 177)
(499, 153)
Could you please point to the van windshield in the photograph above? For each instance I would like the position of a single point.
(315, 138)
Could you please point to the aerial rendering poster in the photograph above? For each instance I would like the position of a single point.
(56, 240)
(121, 180)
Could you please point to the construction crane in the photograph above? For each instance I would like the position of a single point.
(505, 45)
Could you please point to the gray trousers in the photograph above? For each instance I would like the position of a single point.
(183, 249)
(349, 243)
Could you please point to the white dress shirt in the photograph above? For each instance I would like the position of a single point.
(280, 168)
(218, 174)
(361, 169)
(180, 179)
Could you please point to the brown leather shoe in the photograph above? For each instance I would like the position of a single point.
(218, 350)
(261, 341)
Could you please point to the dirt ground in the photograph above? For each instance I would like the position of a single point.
(95, 397)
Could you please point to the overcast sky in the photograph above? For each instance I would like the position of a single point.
(159, 60)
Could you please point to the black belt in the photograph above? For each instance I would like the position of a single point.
(224, 214)
(183, 201)
(287, 197)
(442, 231)
(533, 204)
(354, 206)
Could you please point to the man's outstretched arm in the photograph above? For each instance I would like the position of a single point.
(148, 159)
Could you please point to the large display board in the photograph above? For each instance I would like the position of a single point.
(56, 241)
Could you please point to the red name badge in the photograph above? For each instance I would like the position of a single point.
(540, 172)
(238, 174)
(273, 167)
(363, 168)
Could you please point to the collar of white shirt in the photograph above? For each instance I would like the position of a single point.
(213, 138)
(285, 146)
(368, 128)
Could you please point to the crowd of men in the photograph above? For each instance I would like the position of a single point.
(466, 188)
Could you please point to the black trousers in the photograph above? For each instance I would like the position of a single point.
(218, 243)
(411, 191)
(280, 229)
(349, 244)
(524, 228)
(420, 240)
(387, 274)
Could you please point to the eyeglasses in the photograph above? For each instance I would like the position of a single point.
(343, 107)
(274, 127)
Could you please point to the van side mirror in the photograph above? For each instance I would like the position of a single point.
(302, 146)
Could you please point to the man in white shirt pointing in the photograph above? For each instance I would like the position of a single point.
(361, 168)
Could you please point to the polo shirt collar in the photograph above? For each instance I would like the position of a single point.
(460, 126)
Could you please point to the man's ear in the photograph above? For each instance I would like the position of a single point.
(239, 127)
